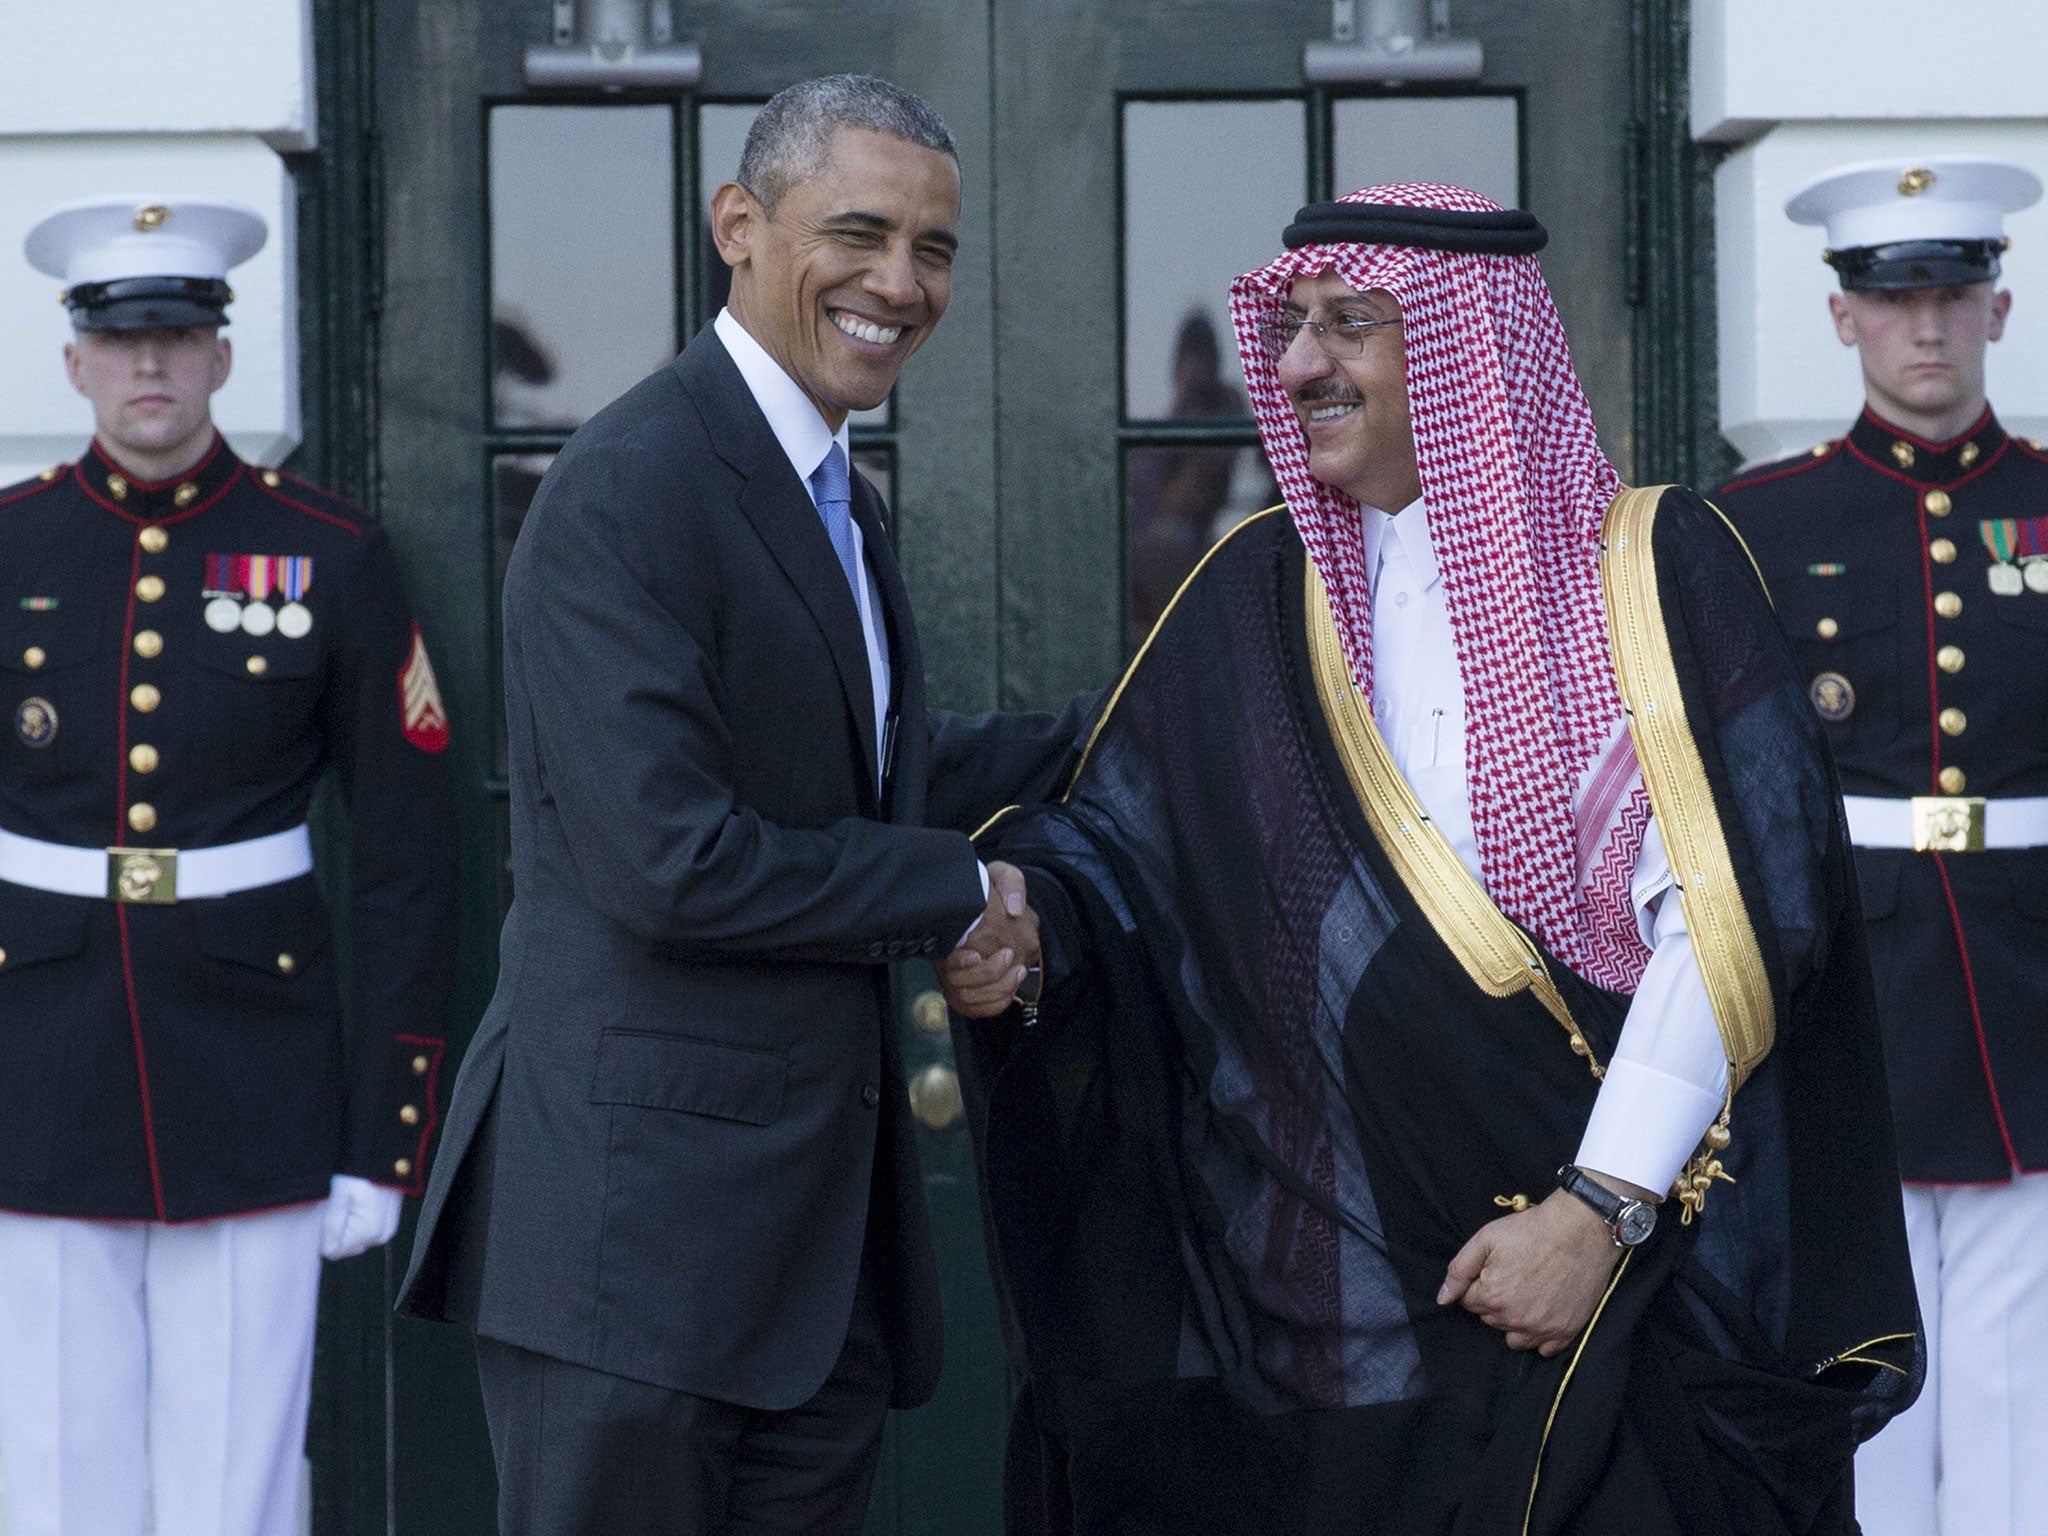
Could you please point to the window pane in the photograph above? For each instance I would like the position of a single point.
(583, 285)
(1177, 502)
(721, 136)
(1208, 186)
(879, 465)
(1468, 141)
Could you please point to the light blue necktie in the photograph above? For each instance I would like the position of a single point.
(834, 491)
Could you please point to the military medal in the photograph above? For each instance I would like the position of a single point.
(2035, 573)
(223, 615)
(1834, 700)
(256, 574)
(294, 576)
(223, 601)
(35, 722)
(2019, 554)
(258, 619)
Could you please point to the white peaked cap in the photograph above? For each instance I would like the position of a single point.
(111, 238)
(1942, 197)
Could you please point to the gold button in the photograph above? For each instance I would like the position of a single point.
(1937, 503)
(1820, 450)
(1949, 658)
(419, 1066)
(409, 1115)
(270, 478)
(153, 540)
(1902, 455)
(118, 487)
(403, 1167)
(142, 757)
(1954, 781)
(145, 697)
(53, 472)
(186, 494)
(1827, 629)
(142, 816)
(33, 657)
(257, 666)
(1943, 551)
(3, 957)
(1947, 604)
(1953, 721)
(287, 964)
(1968, 456)
(148, 644)
(150, 588)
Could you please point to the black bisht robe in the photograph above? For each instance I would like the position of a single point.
(1264, 1106)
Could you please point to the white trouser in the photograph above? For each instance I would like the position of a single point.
(1980, 1428)
(144, 1365)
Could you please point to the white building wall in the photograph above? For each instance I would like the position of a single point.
(188, 99)
(1804, 87)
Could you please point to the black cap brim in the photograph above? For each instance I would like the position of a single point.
(149, 303)
(1911, 264)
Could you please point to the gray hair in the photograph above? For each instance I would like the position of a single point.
(792, 135)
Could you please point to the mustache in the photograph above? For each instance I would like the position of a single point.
(1326, 391)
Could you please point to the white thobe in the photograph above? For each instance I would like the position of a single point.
(1668, 1077)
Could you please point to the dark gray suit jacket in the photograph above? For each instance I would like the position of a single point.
(658, 1157)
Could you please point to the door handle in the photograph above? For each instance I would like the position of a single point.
(935, 1097)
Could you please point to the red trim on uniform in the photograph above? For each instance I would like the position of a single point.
(32, 488)
(158, 485)
(1811, 461)
(156, 1178)
(437, 1048)
(1928, 485)
(2024, 446)
(1921, 442)
(182, 1221)
(121, 704)
(1976, 1015)
(299, 506)
(127, 516)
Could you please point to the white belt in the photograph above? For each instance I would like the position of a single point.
(155, 875)
(1947, 823)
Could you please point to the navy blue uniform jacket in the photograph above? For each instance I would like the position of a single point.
(185, 1061)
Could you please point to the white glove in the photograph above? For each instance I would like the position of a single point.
(359, 1216)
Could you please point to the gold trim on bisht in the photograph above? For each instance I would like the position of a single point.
(1723, 939)
(1499, 957)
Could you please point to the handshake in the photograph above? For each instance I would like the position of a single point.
(1000, 956)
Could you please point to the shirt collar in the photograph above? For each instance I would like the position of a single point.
(794, 420)
(1410, 530)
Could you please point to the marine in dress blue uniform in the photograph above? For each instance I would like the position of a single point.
(186, 1124)
(1911, 572)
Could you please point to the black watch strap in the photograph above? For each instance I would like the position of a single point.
(1628, 1221)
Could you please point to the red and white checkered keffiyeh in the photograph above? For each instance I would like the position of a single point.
(1516, 486)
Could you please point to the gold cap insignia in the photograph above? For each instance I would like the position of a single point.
(150, 217)
(1915, 181)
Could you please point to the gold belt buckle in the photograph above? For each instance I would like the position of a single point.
(142, 876)
(1948, 823)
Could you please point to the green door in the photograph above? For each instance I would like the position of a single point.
(494, 261)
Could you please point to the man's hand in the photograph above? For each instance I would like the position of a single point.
(358, 1216)
(1538, 1274)
(981, 977)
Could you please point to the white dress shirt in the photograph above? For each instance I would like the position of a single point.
(805, 440)
(1668, 1077)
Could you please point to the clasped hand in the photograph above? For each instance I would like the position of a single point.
(982, 977)
(1536, 1275)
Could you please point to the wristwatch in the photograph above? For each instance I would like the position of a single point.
(1629, 1222)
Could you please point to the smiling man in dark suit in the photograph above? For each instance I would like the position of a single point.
(680, 1204)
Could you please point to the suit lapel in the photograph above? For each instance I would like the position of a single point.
(906, 662)
(787, 521)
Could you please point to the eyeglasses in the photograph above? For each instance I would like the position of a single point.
(1342, 336)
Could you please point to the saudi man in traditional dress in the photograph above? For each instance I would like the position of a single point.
(1454, 1101)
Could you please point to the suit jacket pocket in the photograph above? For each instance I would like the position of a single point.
(698, 1077)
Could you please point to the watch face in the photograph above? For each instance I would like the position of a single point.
(1635, 1223)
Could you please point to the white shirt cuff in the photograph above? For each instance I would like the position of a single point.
(978, 864)
(1645, 1124)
